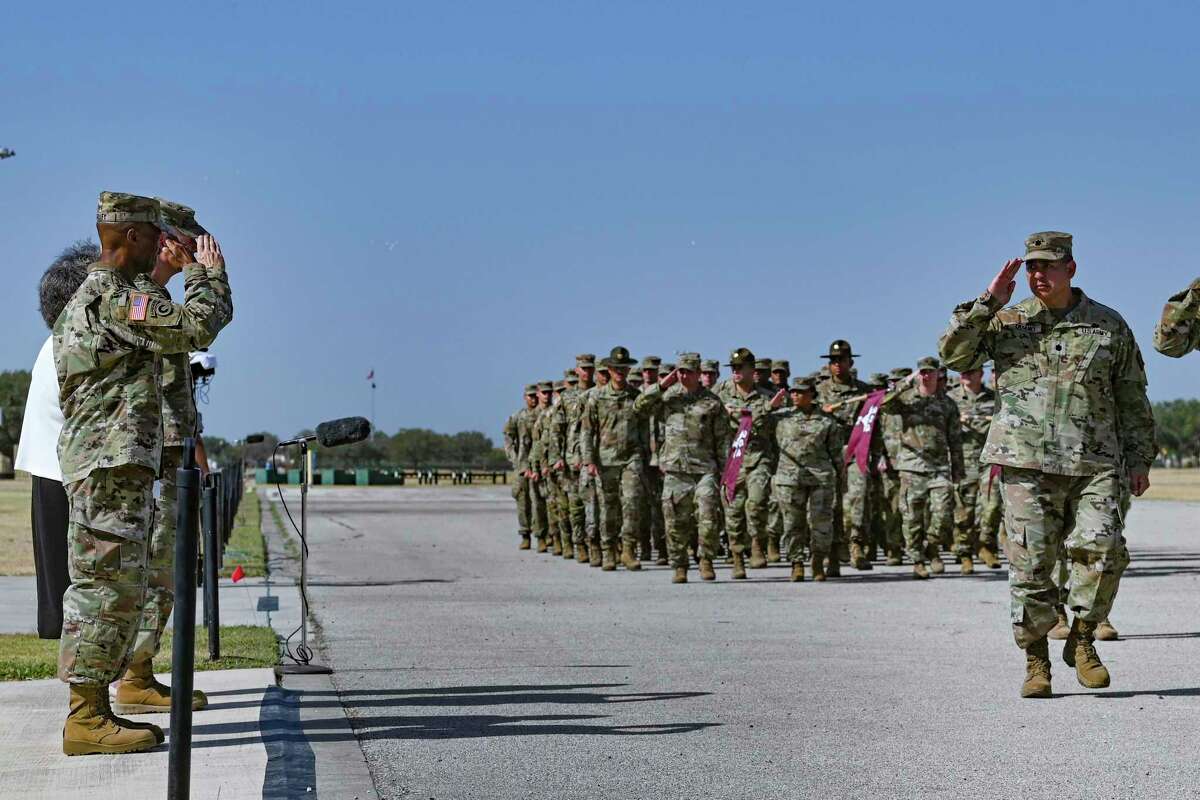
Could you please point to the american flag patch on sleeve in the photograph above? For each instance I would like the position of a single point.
(139, 302)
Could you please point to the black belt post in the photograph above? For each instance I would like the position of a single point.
(183, 652)
(212, 549)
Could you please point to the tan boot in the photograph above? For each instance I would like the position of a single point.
(707, 573)
(988, 557)
(568, 550)
(757, 559)
(894, 559)
(818, 567)
(1105, 632)
(610, 558)
(773, 554)
(968, 566)
(1037, 670)
(919, 571)
(595, 554)
(858, 559)
(91, 729)
(797, 571)
(629, 558)
(542, 546)
(833, 567)
(843, 552)
(680, 575)
(581, 553)
(139, 693)
(1080, 653)
(1062, 629)
(556, 540)
(159, 736)
(935, 564)
(524, 545)
(739, 566)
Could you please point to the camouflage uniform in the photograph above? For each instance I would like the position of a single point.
(1072, 420)
(975, 499)
(805, 478)
(576, 519)
(1178, 331)
(653, 532)
(889, 477)
(929, 461)
(695, 438)
(746, 514)
(850, 520)
(585, 509)
(517, 442)
(542, 457)
(611, 439)
(108, 344)
(538, 519)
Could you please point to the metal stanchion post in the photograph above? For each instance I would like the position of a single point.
(304, 667)
(179, 770)
(212, 547)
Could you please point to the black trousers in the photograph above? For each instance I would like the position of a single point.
(49, 512)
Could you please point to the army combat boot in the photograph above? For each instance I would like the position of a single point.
(894, 559)
(1105, 631)
(595, 553)
(1062, 629)
(568, 548)
(707, 573)
(159, 736)
(919, 571)
(91, 729)
(581, 553)
(818, 566)
(968, 565)
(988, 557)
(1037, 670)
(935, 562)
(757, 559)
(629, 559)
(524, 545)
(833, 568)
(797, 571)
(680, 575)
(542, 546)
(858, 559)
(739, 566)
(1080, 653)
(610, 558)
(773, 554)
(139, 693)
(556, 540)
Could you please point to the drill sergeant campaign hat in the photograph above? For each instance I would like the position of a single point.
(804, 383)
(689, 361)
(929, 362)
(740, 357)
(619, 357)
(839, 348)
(176, 217)
(118, 207)
(585, 360)
(781, 365)
(710, 365)
(1048, 246)
(651, 362)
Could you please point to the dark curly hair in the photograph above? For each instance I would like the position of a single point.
(62, 278)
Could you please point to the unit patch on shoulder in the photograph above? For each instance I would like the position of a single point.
(139, 304)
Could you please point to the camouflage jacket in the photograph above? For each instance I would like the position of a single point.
(830, 392)
(761, 449)
(611, 431)
(511, 440)
(179, 419)
(1071, 393)
(1178, 331)
(108, 344)
(573, 402)
(554, 434)
(526, 418)
(975, 413)
(695, 430)
(930, 438)
(543, 452)
(809, 447)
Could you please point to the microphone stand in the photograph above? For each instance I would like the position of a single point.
(302, 665)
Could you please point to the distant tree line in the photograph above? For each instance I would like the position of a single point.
(1178, 432)
(408, 448)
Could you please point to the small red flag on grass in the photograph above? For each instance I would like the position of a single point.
(238, 573)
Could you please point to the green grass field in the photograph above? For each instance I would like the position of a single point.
(25, 657)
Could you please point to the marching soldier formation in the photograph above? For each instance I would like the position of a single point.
(827, 470)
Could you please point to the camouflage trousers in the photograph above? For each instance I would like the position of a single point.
(1046, 514)
(160, 575)
(926, 509)
(774, 519)
(573, 514)
(891, 521)
(858, 503)
(538, 511)
(973, 504)
(622, 488)
(653, 531)
(558, 512)
(807, 513)
(746, 514)
(839, 528)
(589, 499)
(107, 546)
(522, 492)
(691, 509)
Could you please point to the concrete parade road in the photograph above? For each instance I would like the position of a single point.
(471, 669)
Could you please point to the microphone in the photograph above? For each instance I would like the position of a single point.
(336, 432)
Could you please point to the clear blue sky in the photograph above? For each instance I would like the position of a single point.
(465, 196)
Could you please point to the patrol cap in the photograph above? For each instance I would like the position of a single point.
(651, 362)
(804, 383)
(635, 378)
(572, 379)
(667, 367)
(877, 379)
(740, 356)
(709, 365)
(763, 364)
(689, 361)
(178, 217)
(531, 390)
(546, 386)
(929, 362)
(602, 366)
(117, 207)
(899, 373)
(560, 385)
(781, 365)
(585, 360)
(1048, 246)
(619, 357)
(839, 348)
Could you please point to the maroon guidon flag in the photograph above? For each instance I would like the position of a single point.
(737, 451)
(859, 446)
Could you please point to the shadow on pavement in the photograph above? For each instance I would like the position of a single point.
(1189, 635)
(1193, 691)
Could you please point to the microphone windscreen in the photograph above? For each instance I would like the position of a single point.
(347, 430)
(254, 438)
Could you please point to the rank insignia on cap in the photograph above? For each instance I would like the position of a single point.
(139, 303)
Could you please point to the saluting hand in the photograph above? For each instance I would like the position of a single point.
(1004, 283)
(669, 380)
(175, 255)
(208, 252)
(778, 399)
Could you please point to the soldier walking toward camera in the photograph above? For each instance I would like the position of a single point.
(805, 478)
(695, 439)
(841, 395)
(976, 406)
(583, 498)
(107, 347)
(1073, 432)
(653, 531)
(890, 427)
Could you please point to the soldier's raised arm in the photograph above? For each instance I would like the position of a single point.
(153, 323)
(966, 343)
(1178, 331)
(651, 399)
